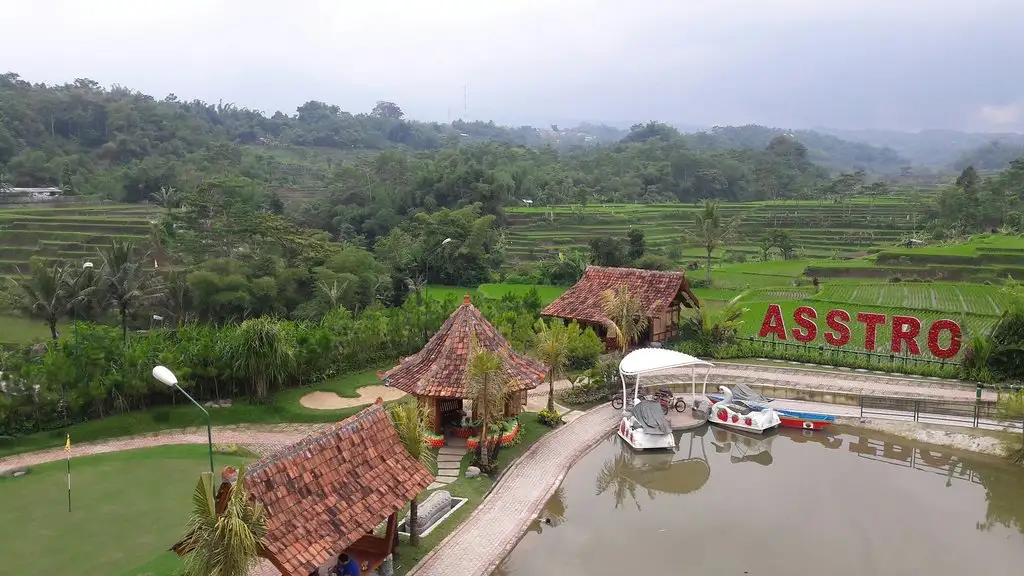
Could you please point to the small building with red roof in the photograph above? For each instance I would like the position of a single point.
(436, 375)
(327, 493)
(661, 295)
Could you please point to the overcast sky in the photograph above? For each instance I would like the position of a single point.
(902, 64)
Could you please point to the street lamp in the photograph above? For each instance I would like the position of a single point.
(85, 266)
(166, 377)
(426, 287)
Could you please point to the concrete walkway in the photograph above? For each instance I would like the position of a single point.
(261, 439)
(480, 543)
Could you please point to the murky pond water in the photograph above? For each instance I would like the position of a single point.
(851, 503)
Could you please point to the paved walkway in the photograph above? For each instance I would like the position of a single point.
(449, 461)
(261, 439)
(480, 543)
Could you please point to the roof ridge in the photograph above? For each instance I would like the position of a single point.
(310, 439)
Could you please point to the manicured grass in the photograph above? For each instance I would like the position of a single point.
(473, 489)
(20, 330)
(284, 408)
(127, 508)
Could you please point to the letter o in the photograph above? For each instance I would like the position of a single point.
(955, 340)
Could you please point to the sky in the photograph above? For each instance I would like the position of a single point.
(891, 64)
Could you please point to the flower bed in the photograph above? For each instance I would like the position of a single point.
(506, 439)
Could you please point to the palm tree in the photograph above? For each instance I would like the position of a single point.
(412, 422)
(720, 327)
(713, 230)
(487, 388)
(626, 321)
(167, 198)
(227, 544)
(124, 284)
(44, 293)
(262, 353)
(552, 348)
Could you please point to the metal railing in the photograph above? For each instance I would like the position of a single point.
(976, 414)
(880, 359)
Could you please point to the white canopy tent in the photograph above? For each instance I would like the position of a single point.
(647, 361)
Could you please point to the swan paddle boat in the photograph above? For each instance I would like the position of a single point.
(739, 416)
(643, 425)
(788, 418)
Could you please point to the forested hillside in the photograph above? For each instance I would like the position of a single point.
(941, 149)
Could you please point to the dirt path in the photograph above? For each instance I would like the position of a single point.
(321, 400)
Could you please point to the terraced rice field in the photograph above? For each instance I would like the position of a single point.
(961, 298)
(67, 231)
(819, 229)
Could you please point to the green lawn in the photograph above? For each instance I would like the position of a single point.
(19, 330)
(285, 408)
(127, 508)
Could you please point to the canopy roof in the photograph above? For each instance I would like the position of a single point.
(656, 290)
(647, 360)
(439, 369)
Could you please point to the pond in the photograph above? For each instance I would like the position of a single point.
(847, 502)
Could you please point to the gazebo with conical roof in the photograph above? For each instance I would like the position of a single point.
(436, 375)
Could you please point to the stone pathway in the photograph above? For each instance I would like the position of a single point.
(480, 543)
(449, 460)
(261, 439)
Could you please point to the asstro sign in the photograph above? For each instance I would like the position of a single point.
(905, 330)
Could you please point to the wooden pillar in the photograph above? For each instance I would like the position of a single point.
(391, 532)
(438, 425)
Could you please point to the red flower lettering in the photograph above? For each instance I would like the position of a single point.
(804, 316)
(905, 329)
(871, 321)
(840, 335)
(773, 323)
(955, 336)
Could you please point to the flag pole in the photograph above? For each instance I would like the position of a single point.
(67, 448)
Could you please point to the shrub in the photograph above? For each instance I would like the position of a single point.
(734, 256)
(895, 279)
(593, 390)
(585, 347)
(505, 433)
(653, 262)
(549, 418)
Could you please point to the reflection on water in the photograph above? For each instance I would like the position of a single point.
(873, 507)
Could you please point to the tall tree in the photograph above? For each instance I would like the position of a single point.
(44, 293)
(637, 243)
(167, 198)
(552, 348)
(124, 283)
(624, 312)
(227, 544)
(412, 422)
(487, 386)
(713, 230)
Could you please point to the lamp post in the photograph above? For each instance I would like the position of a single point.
(426, 287)
(85, 266)
(166, 377)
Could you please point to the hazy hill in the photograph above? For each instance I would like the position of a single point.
(933, 148)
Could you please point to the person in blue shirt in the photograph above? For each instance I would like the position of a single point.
(347, 566)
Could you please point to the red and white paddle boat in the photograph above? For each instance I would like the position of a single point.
(740, 416)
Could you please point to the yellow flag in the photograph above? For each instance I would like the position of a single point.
(67, 444)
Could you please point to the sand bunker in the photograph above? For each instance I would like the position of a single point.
(367, 395)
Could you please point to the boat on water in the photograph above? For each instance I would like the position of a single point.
(787, 418)
(644, 425)
(736, 414)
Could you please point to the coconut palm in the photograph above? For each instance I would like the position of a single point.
(124, 283)
(44, 293)
(167, 198)
(624, 313)
(713, 230)
(721, 327)
(225, 544)
(412, 422)
(552, 348)
(262, 353)
(487, 385)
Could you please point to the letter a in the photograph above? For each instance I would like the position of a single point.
(773, 323)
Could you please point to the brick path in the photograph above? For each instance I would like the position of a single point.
(261, 439)
(480, 543)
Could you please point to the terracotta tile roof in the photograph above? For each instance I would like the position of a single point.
(327, 490)
(655, 289)
(439, 369)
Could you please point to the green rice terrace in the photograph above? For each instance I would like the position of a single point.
(66, 232)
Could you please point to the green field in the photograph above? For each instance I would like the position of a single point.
(128, 508)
